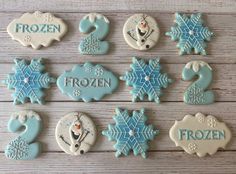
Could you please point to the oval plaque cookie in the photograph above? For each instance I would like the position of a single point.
(87, 81)
(200, 134)
(75, 133)
(36, 29)
(141, 32)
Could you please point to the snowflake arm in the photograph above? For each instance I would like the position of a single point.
(146, 79)
(130, 132)
(28, 80)
(190, 33)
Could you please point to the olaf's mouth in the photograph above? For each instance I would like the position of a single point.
(141, 33)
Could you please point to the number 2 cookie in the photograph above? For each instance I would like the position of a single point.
(75, 133)
(24, 146)
(190, 33)
(141, 32)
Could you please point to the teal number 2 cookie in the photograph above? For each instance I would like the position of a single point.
(196, 93)
(87, 81)
(190, 33)
(94, 43)
(130, 132)
(146, 79)
(23, 147)
(28, 81)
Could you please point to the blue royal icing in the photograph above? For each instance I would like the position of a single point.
(87, 81)
(190, 33)
(93, 43)
(23, 147)
(28, 81)
(146, 79)
(130, 132)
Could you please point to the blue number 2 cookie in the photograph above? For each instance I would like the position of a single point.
(191, 34)
(146, 79)
(94, 43)
(23, 147)
(28, 81)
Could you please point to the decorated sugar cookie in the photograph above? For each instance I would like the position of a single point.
(87, 81)
(141, 32)
(28, 80)
(94, 42)
(197, 93)
(130, 133)
(190, 33)
(37, 29)
(146, 79)
(24, 147)
(75, 133)
(200, 134)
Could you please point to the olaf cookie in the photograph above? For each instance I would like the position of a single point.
(75, 133)
(200, 134)
(141, 32)
(36, 29)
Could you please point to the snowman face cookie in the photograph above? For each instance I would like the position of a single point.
(75, 133)
(141, 32)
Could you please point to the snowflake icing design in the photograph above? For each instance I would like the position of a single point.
(211, 121)
(146, 79)
(191, 33)
(88, 67)
(192, 146)
(17, 149)
(76, 92)
(195, 95)
(130, 133)
(99, 71)
(28, 81)
(90, 44)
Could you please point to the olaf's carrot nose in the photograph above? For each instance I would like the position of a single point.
(77, 126)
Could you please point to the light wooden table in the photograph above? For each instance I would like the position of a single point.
(163, 157)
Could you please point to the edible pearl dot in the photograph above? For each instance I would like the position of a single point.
(131, 133)
(26, 80)
(147, 78)
(191, 32)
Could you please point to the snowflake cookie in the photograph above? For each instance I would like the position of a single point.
(146, 79)
(28, 81)
(190, 33)
(130, 132)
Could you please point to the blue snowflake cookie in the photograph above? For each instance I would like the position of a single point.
(130, 132)
(146, 79)
(190, 33)
(28, 81)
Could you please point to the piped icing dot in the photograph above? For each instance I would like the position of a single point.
(131, 133)
(26, 80)
(147, 78)
(191, 32)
